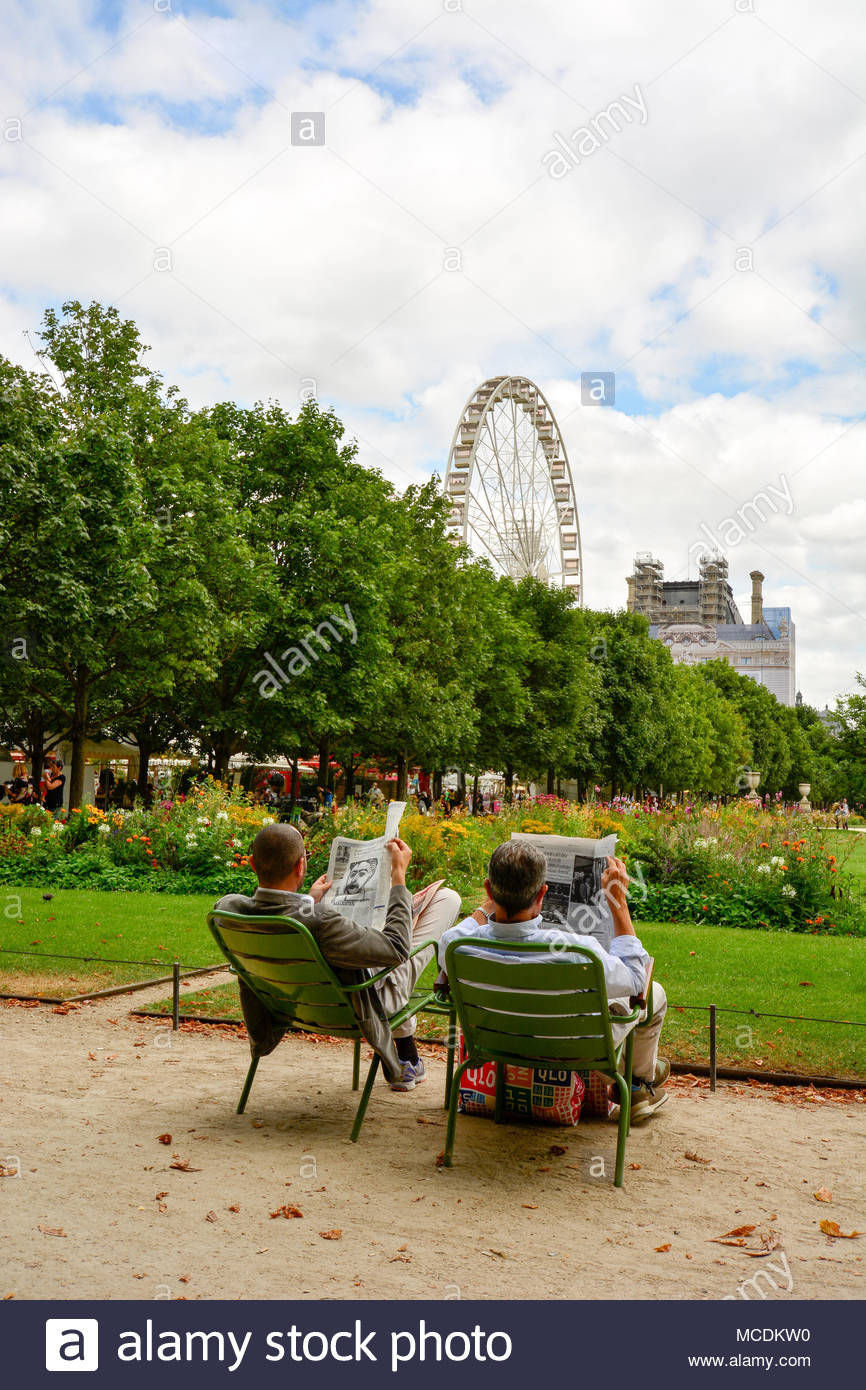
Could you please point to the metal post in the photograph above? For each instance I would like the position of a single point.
(175, 995)
(712, 1047)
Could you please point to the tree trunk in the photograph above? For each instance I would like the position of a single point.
(222, 751)
(35, 743)
(509, 782)
(476, 809)
(401, 777)
(437, 784)
(551, 776)
(324, 761)
(78, 734)
(145, 752)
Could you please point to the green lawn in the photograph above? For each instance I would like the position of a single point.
(700, 965)
(154, 928)
(697, 964)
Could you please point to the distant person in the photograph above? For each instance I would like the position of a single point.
(844, 813)
(377, 796)
(104, 787)
(55, 781)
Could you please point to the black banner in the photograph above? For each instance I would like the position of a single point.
(479, 1344)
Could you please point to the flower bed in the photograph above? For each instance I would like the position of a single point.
(729, 866)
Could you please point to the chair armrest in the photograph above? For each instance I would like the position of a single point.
(382, 974)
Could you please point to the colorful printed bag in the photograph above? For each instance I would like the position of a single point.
(543, 1095)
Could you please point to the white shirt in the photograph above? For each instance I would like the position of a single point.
(624, 965)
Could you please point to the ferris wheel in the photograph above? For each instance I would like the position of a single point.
(510, 485)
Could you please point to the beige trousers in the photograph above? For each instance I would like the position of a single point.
(439, 914)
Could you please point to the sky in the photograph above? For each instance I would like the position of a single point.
(472, 212)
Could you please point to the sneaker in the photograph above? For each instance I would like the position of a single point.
(660, 1075)
(645, 1101)
(413, 1074)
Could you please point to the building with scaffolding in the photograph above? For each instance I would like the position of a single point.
(698, 620)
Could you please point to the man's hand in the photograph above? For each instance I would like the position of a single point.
(320, 888)
(614, 884)
(401, 854)
(483, 913)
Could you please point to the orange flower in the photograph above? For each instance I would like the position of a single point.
(799, 858)
(786, 842)
(831, 859)
(764, 845)
(129, 840)
(834, 871)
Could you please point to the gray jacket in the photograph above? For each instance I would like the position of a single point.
(352, 952)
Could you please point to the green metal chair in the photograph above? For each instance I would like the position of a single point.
(548, 1011)
(279, 960)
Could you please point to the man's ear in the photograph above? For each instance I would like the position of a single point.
(487, 889)
(541, 895)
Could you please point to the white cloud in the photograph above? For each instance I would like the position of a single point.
(173, 129)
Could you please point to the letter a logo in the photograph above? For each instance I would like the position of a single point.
(71, 1344)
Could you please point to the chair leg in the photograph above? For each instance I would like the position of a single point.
(449, 1060)
(247, 1085)
(499, 1106)
(623, 1127)
(356, 1065)
(452, 1113)
(365, 1097)
(629, 1056)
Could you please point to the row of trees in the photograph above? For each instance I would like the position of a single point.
(232, 579)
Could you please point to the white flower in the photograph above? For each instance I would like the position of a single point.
(788, 891)
(203, 820)
(268, 820)
(763, 868)
(222, 815)
(37, 830)
(727, 856)
(57, 827)
(235, 844)
(103, 829)
(190, 838)
(217, 858)
(701, 843)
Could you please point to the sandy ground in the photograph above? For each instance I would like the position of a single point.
(98, 1212)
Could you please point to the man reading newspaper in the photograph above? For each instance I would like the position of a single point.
(516, 891)
(351, 946)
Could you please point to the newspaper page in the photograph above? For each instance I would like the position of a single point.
(575, 900)
(360, 873)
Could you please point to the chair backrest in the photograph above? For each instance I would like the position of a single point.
(279, 960)
(548, 1009)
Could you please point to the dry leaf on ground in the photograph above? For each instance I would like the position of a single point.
(830, 1228)
(287, 1211)
(660, 1249)
(234, 1207)
(695, 1158)
(211, 1216)
(163, 1138)
(183, 1165)
(52, 1230)
(331, 1235)
(823, 1195)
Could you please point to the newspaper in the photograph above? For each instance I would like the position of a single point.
(360, 873)
(575, 899)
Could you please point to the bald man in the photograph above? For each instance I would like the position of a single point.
(279, 859)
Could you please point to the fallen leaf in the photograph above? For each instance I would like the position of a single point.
(822, 1195)
(258, 1124)
(439, 1159)
(91, 1056)
(501, 1253)
(661, 1248)
(160, 1195)
(183, 1165)
(425, 1120)
(162, 1207)
(400, 1259)
(287, 1212)
(830, 1228)
(211, 1216)
(59, 1231)
(234, 1207)
(695, 1158)
(739, 1231)
(183, 1278)
(807, 984)
(530, 1206)
(634, 1165)
(331, 1235)
(162, 1138)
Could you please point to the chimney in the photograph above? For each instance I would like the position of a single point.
(757, 596)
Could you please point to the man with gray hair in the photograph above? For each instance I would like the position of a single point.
(279, 858)
(515, 888)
